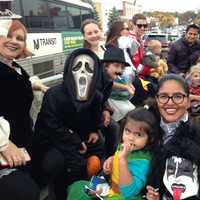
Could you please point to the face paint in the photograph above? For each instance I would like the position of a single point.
(83, 71)
(180, 178)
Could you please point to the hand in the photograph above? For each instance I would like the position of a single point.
(38, 86)
(152, 194)
(106, 118)
(84, 148)
(131, 89)
(126, 149)
(194, 97)
(43, 88)
(107, 165)
(14, 155)
(93, 137)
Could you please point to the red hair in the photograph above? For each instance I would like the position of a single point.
(16, 24)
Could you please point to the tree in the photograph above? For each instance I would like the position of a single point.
(95, 13)
(113, 16)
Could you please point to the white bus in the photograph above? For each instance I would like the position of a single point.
(53, 31)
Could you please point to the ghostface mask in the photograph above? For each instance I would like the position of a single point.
(83, 71)
(181, 178)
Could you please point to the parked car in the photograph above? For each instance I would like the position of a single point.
(173, 37)
(162, 37)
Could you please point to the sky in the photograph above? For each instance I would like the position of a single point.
(169, 5)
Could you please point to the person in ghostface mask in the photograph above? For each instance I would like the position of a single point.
(66, 130)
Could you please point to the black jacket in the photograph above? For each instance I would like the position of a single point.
(64, 122)
(185, 143)
(15, 103)
(178, 59)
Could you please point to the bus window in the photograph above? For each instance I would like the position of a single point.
(16, 7)
(58, 16)
(85, 14)
(36, 14)
(75, 14)
(5, 5)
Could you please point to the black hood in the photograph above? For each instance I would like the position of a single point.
(69, 83)
(185, 143)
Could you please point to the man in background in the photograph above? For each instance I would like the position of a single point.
(180, 51)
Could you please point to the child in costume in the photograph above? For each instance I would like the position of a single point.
(154, 65)
(129, 167)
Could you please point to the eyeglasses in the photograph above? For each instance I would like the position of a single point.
(142, 25)
(177, 98)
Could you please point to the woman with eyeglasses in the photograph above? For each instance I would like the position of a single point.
(172, 101)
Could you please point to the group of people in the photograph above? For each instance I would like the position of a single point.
(151, 150)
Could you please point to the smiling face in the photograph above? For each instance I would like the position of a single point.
(170, 111)
(13, 45)
(135, 134)
(140, 27)
(192, 35)
(92, 34)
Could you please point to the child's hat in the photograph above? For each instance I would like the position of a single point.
(115, 54)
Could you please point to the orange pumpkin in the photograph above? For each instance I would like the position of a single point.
(93, 165)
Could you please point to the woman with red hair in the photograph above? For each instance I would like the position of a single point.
(15, 104)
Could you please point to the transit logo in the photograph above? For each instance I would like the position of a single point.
(44, 42)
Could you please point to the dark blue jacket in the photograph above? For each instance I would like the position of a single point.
(179, 55)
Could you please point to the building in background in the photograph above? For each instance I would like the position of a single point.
(126, 8)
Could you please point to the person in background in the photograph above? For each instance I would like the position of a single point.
(129, 167)
(172, 102)
(92, 37)
(193, 78)
(15, 104)
(118, 36)
(178, 59)
(123, 89)
(154, 66)
(140, 25)
(93, 40)
(143, 88)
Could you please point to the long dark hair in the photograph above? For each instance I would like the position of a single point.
(85, 23)
(174, 77)
(114, 33)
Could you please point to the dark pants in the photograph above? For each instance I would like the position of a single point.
(18, 185)
(62, 169)
(111, 134)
